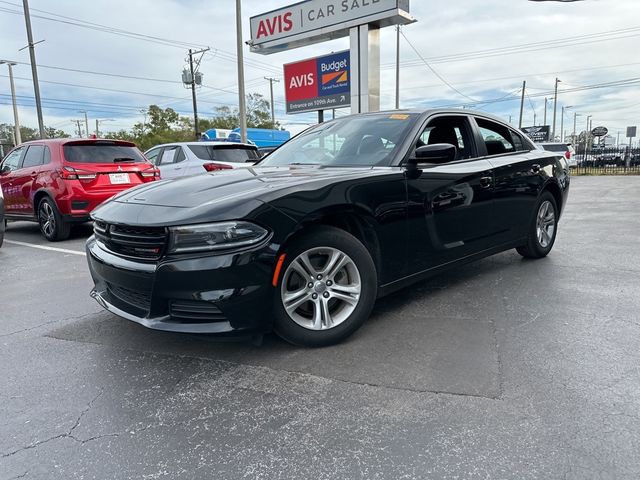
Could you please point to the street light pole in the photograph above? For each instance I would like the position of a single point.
(575, 118)
(16, 122)
(562, 123)
(34, 69)
(555, 109)
(240, 55)
(397, 67)
(524, 91)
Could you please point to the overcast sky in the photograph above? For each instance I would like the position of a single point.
(606, 50)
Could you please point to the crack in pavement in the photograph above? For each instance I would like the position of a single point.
(68, 434)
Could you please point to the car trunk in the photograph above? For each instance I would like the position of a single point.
(106, 165)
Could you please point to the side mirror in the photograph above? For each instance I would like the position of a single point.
(436, 153)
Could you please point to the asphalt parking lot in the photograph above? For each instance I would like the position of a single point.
(502, 369)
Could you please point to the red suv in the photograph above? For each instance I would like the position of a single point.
(59, 182)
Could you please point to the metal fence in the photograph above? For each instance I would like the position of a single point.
(607, 161)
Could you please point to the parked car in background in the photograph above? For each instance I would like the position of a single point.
(2, 220)
(264, 151)
(565, 149)
(192, 158)
(58, 182)
(305, 241)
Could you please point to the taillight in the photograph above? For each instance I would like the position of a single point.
(212, 167)
(567, 155)
(70, 173)
(150, 173)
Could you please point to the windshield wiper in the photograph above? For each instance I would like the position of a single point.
(124, 159)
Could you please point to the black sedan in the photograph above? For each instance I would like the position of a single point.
(344, 213)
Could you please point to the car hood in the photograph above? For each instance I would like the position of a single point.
(231, 186)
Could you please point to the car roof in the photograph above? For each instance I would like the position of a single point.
(435, 111)
(63, 141)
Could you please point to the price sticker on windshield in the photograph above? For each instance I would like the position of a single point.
(119, 178)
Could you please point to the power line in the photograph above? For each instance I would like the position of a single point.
(442, 79)
(135, 35)
(527, 47)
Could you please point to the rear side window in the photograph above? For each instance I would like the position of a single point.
(34, 156)
(497, 138)
(231, 153)
(102, 153)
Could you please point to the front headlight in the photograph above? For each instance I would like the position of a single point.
(214, 236)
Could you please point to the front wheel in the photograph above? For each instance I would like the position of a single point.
(327, 290)
(542, 230)
(52, 226)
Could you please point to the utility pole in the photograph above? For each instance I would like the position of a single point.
(192, 81)
(524, 87)
(16, 122)
(535, 121)
(86, 121)
(555, 110)
(97, 128)
(240, 55)
(397, 67)
(273, 111)
(78, 124)
(34, 69)
(545, 111)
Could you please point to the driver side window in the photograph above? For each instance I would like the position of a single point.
(453, 130)
(12, 161)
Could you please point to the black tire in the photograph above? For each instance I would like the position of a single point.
(52, 226)
(350, 314)
(538, 246)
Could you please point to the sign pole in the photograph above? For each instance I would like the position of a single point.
(241, 99)
(320, 116)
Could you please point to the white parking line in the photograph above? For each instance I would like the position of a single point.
(42, 247)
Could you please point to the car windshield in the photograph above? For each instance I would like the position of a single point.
(362, 141)
(102, 153)
(226, 153)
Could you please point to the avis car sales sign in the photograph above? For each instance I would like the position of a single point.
(314, 21)
(320, 83)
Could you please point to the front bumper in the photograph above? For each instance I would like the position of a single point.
(199, 293)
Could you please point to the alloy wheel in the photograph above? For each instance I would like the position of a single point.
(321, 288)
(47, 219)
(545, 223)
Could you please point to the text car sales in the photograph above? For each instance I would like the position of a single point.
(345, 6)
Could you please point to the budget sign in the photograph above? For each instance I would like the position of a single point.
(320, 83)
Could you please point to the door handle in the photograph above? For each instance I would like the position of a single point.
(535, 168)
(485, 182)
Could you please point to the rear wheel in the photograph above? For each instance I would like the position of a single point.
(327, 290)
(52, 226)
(543, 228)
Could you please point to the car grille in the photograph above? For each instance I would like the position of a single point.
(146, 243)
(141, 300)
(186, 311)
